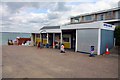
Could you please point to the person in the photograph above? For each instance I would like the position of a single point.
(62, 48)
(38, 45)
(8, 42)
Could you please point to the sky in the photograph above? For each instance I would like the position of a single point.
(19, 16)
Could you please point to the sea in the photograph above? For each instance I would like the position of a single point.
(4, 36)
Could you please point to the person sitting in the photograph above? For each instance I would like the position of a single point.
(62, 48)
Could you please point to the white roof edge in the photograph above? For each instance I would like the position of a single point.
(50, 31)
(111, 20)
(92, 25)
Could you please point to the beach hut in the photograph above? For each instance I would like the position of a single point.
(80, 37)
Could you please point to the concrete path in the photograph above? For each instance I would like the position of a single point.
(30, 62)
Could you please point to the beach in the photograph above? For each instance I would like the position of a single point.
(33, 62)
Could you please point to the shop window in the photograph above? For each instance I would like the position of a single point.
(76, 19)
(101, 17)
(44, 36)
(108, 15)
(88, 18)
(38, 35)
(66, 39)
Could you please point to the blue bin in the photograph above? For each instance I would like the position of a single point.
(47, 45)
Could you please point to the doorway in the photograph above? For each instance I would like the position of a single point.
(70, 38)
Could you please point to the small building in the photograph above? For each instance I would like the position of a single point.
(80, 37)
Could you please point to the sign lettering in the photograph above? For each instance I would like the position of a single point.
(107, 25)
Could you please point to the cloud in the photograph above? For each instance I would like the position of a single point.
(31, 16)
(53, 15)
(3, 10)
(61, 7)
(15, 6)
(93, 7)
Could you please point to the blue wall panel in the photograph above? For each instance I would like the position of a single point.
(107, 37)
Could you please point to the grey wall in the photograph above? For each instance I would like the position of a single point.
(87, 38)
(117, 23)
(107, 37)
(119, 4)
(119, 14)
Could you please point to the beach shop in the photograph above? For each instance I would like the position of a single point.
(80, 37)
(50, 35)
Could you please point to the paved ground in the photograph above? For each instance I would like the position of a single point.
(30, 62)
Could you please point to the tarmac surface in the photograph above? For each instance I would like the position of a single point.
(31, 62)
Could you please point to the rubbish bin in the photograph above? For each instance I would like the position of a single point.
(92, 51)
(92, 48)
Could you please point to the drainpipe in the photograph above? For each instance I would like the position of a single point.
(76, 41)
(61, 37)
